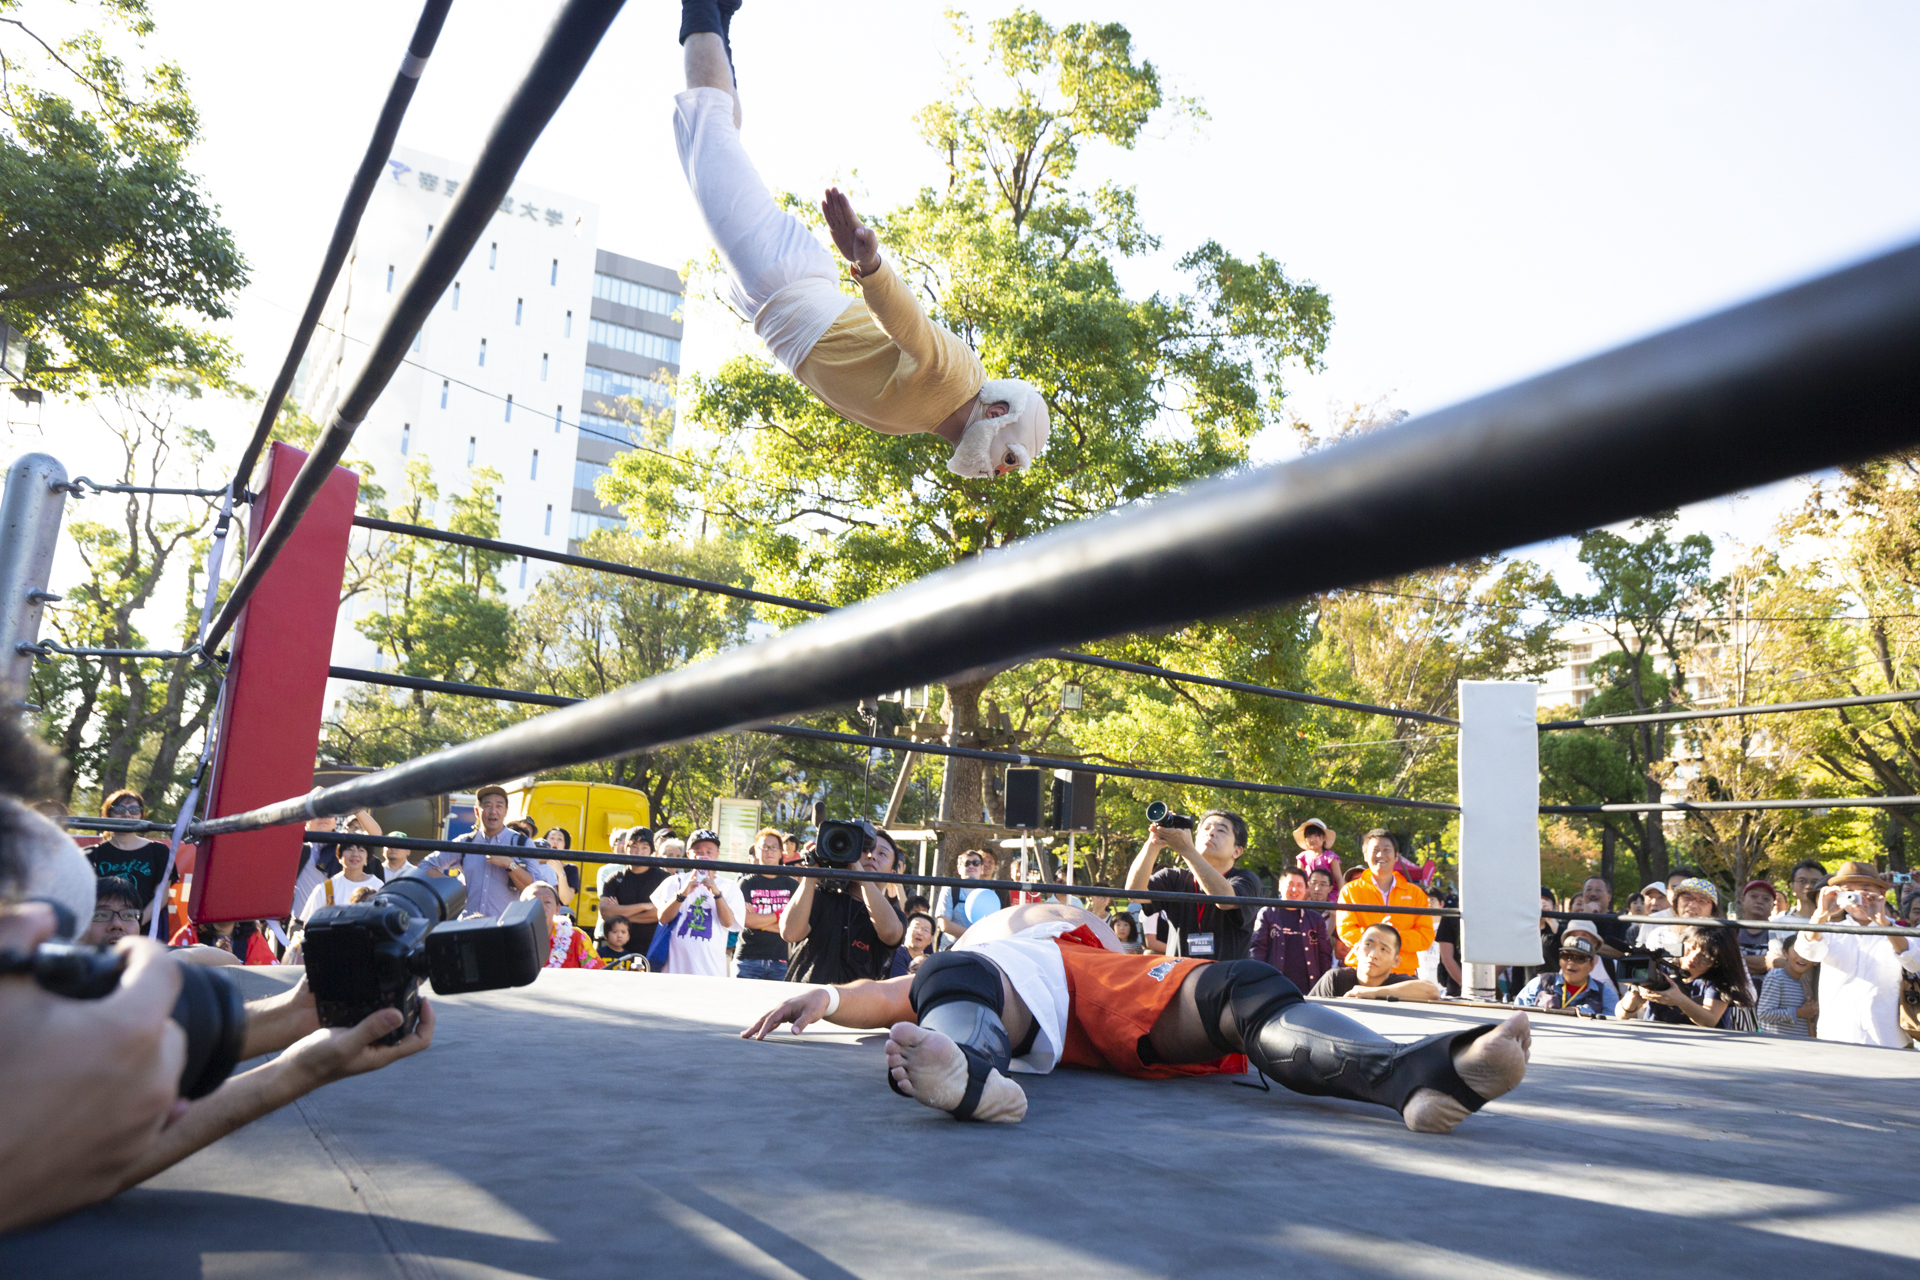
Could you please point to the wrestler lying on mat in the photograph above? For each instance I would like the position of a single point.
(1044, 984)
(876, 359)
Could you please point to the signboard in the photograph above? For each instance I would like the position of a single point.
(736, 820)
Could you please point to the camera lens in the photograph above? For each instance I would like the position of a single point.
(837, 843)
(214, 1016)
(1157, 810)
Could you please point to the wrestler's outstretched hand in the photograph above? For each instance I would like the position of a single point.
(853, 238)
(807, 1007)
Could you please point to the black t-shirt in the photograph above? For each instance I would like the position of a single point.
(142, 865)
(765, 895)
(1334, 983)
(841, 944)
(1227, 929)
(1448, 930)
(634, 887)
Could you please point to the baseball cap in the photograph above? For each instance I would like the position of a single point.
(1579, 926)
(1580, 943)
(1658, 886)
(703, 833)
(1757, 884)
(489, 790)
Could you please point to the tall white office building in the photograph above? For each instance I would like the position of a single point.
(518, 367)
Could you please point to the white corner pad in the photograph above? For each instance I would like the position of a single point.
(1499, 822)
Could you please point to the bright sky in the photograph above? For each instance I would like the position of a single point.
(1485, 190)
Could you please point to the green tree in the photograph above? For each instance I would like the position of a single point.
(113, 259)
(1653, 598)
(124, 721)
(1011, 252)
(434, 610)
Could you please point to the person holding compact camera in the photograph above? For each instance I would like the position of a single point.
(1860, 974)
(1209, 846)
(842, 931)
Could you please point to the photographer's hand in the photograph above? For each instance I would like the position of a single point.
(89, 1084)
(329, 1054)
(278, 1021)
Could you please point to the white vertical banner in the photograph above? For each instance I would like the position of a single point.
(1499, 822)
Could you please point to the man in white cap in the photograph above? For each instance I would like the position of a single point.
(876, 359)
(1575, 986)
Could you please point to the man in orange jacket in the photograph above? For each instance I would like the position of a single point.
(1386, 887)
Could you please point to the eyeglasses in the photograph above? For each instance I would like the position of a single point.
(129, 807)
(124, 917)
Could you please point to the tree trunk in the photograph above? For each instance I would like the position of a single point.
(960, 793)
(1608, 840)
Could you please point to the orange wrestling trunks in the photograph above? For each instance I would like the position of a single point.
(1113, 1002)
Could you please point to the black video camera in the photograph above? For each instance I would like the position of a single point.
(842, 843)
(371, 955)
(209, 1009)
(1655, 970)
(1160, 814)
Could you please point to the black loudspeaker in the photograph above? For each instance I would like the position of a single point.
(1023, 797)
(1073, 799)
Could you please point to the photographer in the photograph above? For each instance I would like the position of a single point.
(1707, 986)
(1209, 848)
(92, 1086)
(1859, 973)
(1573, 987)
(843, 931)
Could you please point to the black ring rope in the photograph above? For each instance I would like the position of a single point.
(457, 689)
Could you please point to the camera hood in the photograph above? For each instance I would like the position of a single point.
(430, 898)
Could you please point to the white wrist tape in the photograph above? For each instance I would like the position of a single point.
(833, 1002)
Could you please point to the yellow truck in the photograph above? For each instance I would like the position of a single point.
(588, 812)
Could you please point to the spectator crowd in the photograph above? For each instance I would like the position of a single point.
(1689, 960)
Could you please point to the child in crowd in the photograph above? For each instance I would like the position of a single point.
(613, 944)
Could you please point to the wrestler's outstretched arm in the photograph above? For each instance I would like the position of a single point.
(862, 1004)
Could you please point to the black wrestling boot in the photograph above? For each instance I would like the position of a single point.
(958, 994)
(1313, 1049)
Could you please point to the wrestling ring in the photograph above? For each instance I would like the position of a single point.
(595, 1121)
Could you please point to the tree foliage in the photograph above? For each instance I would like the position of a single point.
(113, 259)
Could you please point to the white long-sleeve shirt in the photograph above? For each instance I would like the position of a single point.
(1860, 985)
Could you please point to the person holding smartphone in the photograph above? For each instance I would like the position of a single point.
(1859, 973)
(698, 908)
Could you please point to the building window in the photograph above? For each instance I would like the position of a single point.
(406, 434)
(568, 331)
(473, 447)
(429, 231)
(456, 295)
(556, 417)
(493, 255)
(389, 277)
(548, 528)
(509, 417)
(443, 393)
(582, 524)
(543, 366)
(585, 472)
(523, 571)
(483, 353)
(629, 293)
(634, 341)
(419, 338)
(519, 305)
(1579, 652)
(533, 473)
(553, 277)
(608, 382)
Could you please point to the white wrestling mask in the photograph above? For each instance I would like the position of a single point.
(991, 446)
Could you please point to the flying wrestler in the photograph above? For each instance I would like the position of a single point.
(1044, 983)
(877, 360)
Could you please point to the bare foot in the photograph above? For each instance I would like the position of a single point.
(931, 1069)
(1491, 1065)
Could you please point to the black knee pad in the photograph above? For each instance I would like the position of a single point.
(956, 975)
(1250, 989)
(960, 995)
